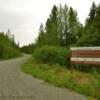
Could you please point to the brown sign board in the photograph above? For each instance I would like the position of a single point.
(85, 55)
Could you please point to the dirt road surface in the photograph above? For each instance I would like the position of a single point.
(16, 85)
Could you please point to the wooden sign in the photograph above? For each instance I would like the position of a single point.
(85, 55)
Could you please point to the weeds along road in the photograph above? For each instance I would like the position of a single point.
(16, 85)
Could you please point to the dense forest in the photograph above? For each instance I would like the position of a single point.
(8, 47)
(51, 57)
(64, 29)
(29, 49)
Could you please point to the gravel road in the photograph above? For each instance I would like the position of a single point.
(16, 85)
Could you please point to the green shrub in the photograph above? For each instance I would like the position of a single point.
(8, 47)
(88, 68)
(1, 51)
(52, 55)
(10, 53)
(6, 53)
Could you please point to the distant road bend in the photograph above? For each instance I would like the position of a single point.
(16, 85)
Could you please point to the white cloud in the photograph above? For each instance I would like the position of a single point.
(23, 17)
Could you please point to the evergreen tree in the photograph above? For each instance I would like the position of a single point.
(73, 26)
(8, 34)
(61, 28)
(41, 37)
(66, 33)
(91, 35)
(63, 25)
(60, 25)
(97, 20)
(29, 49)
(7, 47)
(52, 37)
(92, 14)
(89, 26)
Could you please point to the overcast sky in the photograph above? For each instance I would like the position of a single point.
(23, 17)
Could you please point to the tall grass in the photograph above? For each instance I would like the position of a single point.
(58, 75)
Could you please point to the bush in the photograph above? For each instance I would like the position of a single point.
(89, 40)
(1, 51)
(7, 52)
(88, 68)
(52, 55)
(8, 47)
(10, 53)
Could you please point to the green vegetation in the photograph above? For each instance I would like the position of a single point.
(29, 49)
(8, 48)
(52, 55)
(62, 28)
(51, 64)
(84, 83)
(50, 60)
(91, 31)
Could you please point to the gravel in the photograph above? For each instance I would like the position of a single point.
(16, 85)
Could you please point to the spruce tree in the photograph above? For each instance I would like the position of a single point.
(41, 37)
(73, 26)
(52, 28)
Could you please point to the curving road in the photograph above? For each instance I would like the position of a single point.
(16, 85)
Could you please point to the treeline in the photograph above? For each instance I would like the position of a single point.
(8, 47)
(63, 28)
(28, 48)
(91, 30)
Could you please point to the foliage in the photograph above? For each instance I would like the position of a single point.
(8, 48)
(84, 83)
(29, 49)
(52, 28)
(42, 37)
(64, 29)
(52, 55)
(91, 33)
(61, 28)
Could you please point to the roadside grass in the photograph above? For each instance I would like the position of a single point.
(84, 83)
(14, 57)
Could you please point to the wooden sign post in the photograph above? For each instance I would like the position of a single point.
(85, 55)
